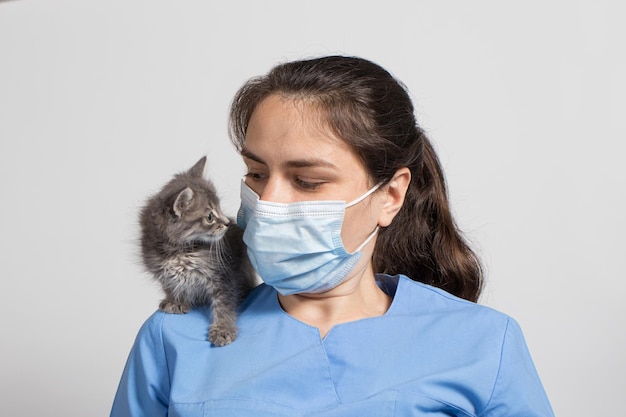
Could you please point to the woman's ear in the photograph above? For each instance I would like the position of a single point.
(394, 193)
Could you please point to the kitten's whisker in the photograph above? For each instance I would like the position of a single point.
(221, 254)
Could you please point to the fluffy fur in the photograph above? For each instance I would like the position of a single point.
(195, 252)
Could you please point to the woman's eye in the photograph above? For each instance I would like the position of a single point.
(254, 176)
(308, 185)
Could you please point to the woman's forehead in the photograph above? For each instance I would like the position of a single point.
(292, 129)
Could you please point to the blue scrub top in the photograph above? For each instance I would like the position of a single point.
(430, 354)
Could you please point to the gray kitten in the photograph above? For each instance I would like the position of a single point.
(195, 252)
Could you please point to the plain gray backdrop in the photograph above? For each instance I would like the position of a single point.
(102, 101)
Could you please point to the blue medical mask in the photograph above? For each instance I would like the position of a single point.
(297, 247)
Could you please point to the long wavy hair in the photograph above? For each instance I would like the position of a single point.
(371, 110)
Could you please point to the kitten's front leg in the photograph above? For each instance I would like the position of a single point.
(223, 330)
(173, 307)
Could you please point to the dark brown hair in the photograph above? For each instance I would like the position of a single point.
(368, 108)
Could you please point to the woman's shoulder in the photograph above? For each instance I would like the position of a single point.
(419, 299)
(195, 323)
(160, 323)
(455, 325)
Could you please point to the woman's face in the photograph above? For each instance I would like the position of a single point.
(292, 156)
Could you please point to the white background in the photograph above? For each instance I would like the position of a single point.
(101, 102)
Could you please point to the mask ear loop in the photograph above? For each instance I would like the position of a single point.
(358, 200)
(364, 196)
(369, 238)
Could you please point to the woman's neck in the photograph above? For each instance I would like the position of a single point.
(356, 298)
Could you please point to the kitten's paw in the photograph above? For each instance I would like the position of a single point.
(221, 336)
(174, 308)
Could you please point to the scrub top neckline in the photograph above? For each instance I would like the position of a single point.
(387, 283)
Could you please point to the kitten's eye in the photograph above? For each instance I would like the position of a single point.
(210, 217)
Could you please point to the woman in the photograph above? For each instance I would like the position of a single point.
(343, 200)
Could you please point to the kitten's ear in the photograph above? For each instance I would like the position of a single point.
(198, 169)
(183, 201)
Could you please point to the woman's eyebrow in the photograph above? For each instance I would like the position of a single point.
(247, 154)
(295, 163)
(310, 163)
